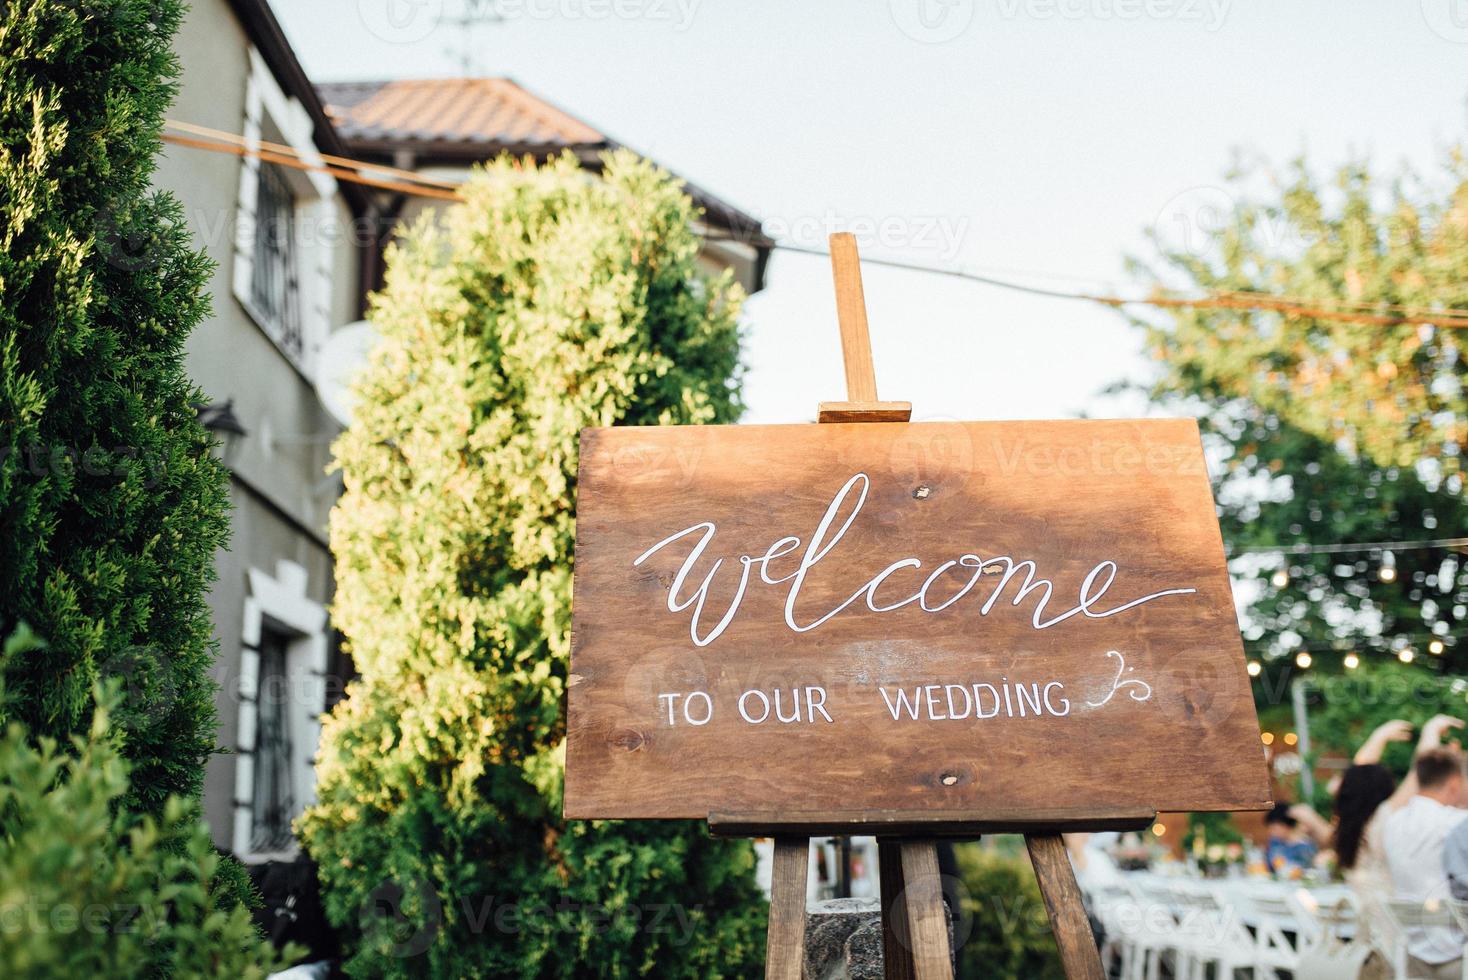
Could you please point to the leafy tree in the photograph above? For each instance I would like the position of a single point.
(1390, 393)
(1346, 708)
(111, 507)
(1324, 430)
(548, 302)
(92, 889)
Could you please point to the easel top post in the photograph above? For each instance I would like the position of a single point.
(856, 344)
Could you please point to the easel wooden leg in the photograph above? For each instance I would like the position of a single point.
(896, 942)
(926, 923)
(1078, 953)
(914, 928)
(785, 947)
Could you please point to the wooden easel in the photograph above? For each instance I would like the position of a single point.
(914, 934)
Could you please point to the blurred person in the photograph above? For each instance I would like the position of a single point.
(1367, 795)
(1290, 850)
(1455, 861)
(1413, 840)
(1312, 827)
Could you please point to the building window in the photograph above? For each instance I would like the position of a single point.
(283, 662)
(275, 278)
(273, 802)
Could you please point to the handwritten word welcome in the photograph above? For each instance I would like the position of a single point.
(823, 540)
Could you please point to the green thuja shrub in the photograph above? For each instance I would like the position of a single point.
(111, 508)
(1001, 918)
(90, 889)
(548, 302)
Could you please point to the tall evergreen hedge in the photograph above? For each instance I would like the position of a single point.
(89, 888)
(111, 507)
(550, 301)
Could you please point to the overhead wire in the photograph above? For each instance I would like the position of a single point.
(411, 183)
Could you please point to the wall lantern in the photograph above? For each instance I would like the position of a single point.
(219, 419)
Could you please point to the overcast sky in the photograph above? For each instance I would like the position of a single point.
(1031, 138)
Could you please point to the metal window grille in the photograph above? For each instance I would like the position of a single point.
(275, 282)
(273, 803)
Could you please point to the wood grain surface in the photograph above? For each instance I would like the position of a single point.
(897, 961)
(1065, 907)
(851, 317)
(1080, 692)
(785, 937)
(926, 925)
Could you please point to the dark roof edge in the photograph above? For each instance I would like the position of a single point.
(718, 213)
(266, 34)
(742, 227)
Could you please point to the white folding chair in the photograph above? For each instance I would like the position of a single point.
(1210, 931)
(1459, 911)
(1320, 923)
(1333, 942)
(1402, 915)
(1273, 921)
(1116, 910)
(1153, 929)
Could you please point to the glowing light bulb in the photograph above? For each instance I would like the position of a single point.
(1291, 738)
(1388, 573)
(1280, 579)
(1267, 738)
(1406, 655)
(1435, 647)
(1158, 830)
(1303, 659)
(1254, 668)
(1352, 661)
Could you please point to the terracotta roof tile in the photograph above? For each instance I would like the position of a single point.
(453, 110)
(476, 119)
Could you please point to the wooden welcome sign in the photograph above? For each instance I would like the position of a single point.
(904, 629)
(903, 618)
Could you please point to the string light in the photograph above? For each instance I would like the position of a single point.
(1267, 738)
(1254, 668)
(1406, 655)
(1158, 829)
(1388, 571)
(1387, 644)
(1280, 579)
(1435, 647)
(1351, 547)
(1352, 661)
(1302, 659)
(1291, 738)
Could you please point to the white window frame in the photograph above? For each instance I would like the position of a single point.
(281, 602)
(314, 219)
